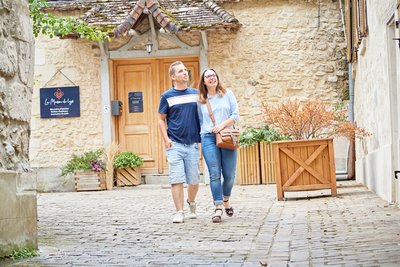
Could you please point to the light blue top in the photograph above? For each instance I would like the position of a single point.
(223, 108)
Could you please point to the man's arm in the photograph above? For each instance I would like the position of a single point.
(162, 125)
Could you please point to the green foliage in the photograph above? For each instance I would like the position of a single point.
(90, 160)
(251, 136)
(22, 253)
(47, 24)
(127, 159)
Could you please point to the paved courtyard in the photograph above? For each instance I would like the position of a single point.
(132, 227)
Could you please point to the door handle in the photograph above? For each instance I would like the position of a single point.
(395, 174)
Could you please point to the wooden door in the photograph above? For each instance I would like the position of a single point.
(139, 85)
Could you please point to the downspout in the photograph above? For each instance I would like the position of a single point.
(349, 174)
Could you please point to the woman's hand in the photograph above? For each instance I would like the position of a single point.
(217, 128)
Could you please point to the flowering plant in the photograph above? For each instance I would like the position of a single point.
(91, 160)
(312, 119)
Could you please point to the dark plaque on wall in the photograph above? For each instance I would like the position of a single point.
(59, 102)
(135, 102)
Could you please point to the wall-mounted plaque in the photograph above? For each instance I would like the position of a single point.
(59, 102)
(135, 102)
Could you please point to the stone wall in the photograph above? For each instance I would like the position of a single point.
(282, 51)
(18, 216)
(79, 64)
(373, 100)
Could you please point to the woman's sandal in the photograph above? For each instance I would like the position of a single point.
(228, 211)
(216, 218)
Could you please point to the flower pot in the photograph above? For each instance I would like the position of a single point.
(129, 176)
(304, 165)
(87, 180)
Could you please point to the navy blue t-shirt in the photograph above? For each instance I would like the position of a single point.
(183, 124)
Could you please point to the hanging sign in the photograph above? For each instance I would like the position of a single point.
(59, 102)
(135, 102)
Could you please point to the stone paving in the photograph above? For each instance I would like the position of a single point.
(132, 227)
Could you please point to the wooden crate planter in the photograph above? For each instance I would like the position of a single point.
(304, 165)
(248, 166)
(267, 163)
(129, 176)
(89, 180)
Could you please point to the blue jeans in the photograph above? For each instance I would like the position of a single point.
(219, 161)
(183, 161)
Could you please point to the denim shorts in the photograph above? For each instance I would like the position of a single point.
(183, 163)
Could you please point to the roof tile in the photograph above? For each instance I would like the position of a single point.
(122, 15)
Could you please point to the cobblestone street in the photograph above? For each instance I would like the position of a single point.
(132, 227)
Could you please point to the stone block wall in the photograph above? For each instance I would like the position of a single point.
(18, 218)
(65, 62)
(284, 50)
(18, 212)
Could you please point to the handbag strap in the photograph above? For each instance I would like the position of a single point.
(210, 111)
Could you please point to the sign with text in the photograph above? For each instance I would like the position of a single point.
(135, 102)
(59, 102)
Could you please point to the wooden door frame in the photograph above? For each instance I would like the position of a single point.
(159, 90)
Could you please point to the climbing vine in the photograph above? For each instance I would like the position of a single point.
(50, 25)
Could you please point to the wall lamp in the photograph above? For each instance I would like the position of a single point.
(149, 46)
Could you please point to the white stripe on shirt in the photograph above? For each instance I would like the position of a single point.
(184, 99)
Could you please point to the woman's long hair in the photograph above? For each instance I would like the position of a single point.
(203, 91)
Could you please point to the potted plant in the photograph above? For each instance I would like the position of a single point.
(127, 166)
(306, 162)
(255, 164)
(88, 170)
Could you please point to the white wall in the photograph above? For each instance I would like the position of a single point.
(372, 102)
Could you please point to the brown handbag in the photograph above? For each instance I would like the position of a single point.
(227, 138)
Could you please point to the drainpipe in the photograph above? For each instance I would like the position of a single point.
(350, 172)
(351, 154)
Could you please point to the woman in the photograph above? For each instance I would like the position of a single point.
(225, 110)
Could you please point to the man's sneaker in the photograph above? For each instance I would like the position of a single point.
(178, 217)
(192, 207)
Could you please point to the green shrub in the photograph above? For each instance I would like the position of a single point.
(251, 136)
(127, 159)
(21, 253)
(91, 160)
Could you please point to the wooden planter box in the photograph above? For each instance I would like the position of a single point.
(248, 166)
(129, 176)
(304, 165)
(267, 163)
(89, 180)
(256, 164)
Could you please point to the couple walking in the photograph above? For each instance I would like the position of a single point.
(184, 121)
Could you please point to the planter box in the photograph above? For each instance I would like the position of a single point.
(89, 180)
(129, 176)
(267, 163)
(248, 166)
(304, 165)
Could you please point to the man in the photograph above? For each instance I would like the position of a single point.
(180, 128)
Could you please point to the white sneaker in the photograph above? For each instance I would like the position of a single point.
(178, 217)
(192, 207)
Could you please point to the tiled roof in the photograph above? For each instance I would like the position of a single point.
(173, 15)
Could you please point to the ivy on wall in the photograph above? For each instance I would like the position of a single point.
(50, 25)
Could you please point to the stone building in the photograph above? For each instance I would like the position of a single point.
(270, 50)
(373, 50)
(18, 215)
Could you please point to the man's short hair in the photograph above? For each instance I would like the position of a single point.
(171, 70)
